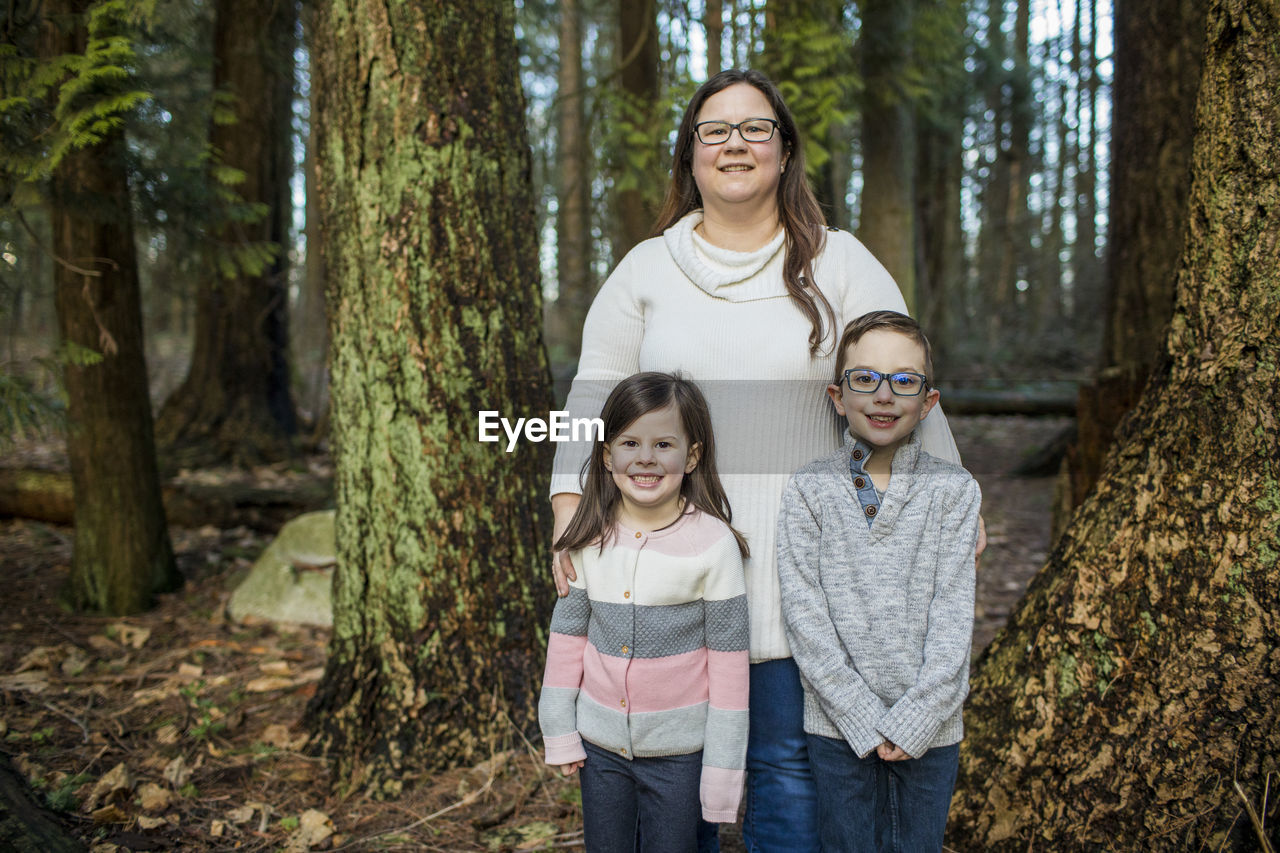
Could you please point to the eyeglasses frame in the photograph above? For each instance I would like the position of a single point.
(732, 127)
(924, 381)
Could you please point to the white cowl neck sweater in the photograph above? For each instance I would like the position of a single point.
(724, 319)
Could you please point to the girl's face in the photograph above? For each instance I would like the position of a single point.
(737, 172)
(648, 460)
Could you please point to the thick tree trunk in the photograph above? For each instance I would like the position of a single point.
(122, 552)
(1138, 683)
(1159, 47)
(713, 22)
(887, 223)
(441, 594)
(235, 405)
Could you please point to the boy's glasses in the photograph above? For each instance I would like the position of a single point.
(901, 384)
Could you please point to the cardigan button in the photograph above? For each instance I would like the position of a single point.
(859, 483)
(871, 512)
(624, 703)
(627, 594)
(637, 534)
(626, 650)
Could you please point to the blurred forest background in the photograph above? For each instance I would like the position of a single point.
(315, 238)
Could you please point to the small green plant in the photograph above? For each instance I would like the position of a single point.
(63, 797)
(290, 823)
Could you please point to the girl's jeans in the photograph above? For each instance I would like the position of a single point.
(655, 800)
(866, 805)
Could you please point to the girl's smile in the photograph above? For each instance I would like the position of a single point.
(648, 460)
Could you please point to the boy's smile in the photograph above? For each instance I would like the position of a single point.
(883, 419)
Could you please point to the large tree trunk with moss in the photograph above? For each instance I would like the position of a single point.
(1159, 47)
(1133, 700)
(431, 251)
(235, 405)
(122, 552)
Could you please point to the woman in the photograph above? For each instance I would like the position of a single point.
(746, 292)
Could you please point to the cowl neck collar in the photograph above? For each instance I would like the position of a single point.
(724, 273)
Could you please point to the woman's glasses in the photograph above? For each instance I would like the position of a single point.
(751, 130)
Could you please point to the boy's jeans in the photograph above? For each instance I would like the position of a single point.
(867, 805)
(654, 799)
(782, 814)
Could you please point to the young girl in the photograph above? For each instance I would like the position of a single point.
(646, 681)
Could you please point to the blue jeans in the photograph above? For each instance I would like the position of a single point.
(866, 805)
(782, 805)
(646, 804)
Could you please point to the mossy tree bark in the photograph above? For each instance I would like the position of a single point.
(122, 552)
(1139, 681)
(235, 405)
(441, 596)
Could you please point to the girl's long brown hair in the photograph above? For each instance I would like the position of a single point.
(798, 208)
(593, 522)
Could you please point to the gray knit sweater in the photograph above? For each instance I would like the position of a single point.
(880, 617)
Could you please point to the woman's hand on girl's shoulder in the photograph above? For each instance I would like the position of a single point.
(563, 571)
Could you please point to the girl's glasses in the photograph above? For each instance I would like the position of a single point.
(904, 384)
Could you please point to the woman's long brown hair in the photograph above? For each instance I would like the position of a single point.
(637, 395)
(798, 208)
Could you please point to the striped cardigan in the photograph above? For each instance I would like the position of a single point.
(648, 655)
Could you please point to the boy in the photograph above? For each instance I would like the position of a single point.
(876, 561)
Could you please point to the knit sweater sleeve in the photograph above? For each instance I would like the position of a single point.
(724, 750)
(843, 694)
(943, 679)
(611, 340)
(562, 678)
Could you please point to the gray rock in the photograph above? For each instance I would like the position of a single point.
(293, 579)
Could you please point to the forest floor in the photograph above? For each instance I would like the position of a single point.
(180, 730)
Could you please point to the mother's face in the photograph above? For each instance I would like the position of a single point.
(737, 172)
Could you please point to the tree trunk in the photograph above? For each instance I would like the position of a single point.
(995, 261)
(121, 553)
(441, 595)
(1138, 683)
(235, 405)
(887, 222)
(713, 21)
(573, 222)
(635, 208)
(1159, 47)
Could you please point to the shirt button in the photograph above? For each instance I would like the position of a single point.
(859, 483)
(871, 511)
(857, 454)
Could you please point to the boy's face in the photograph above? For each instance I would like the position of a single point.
(883, 419)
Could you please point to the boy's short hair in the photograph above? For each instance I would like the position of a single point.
(892, 321)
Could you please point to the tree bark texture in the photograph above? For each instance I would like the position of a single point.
(441, 597)
(887, 222)
(121, 552)
(235, 405)
(1138, 683)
